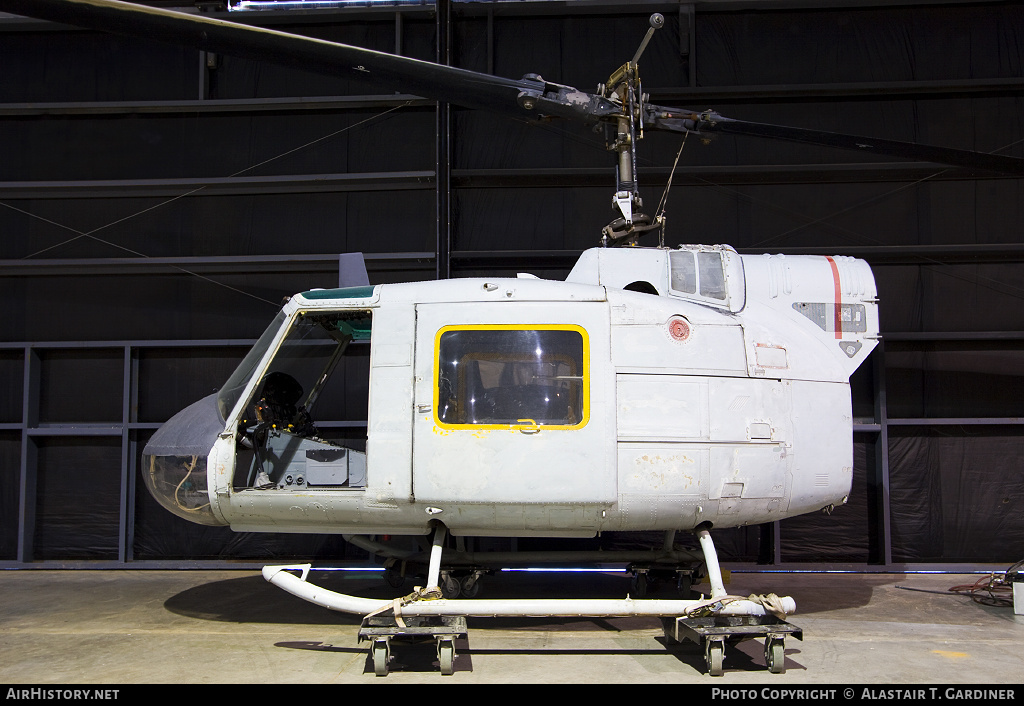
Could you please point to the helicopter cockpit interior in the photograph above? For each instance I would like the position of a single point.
(280, 445)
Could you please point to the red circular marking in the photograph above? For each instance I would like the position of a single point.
(679, 329)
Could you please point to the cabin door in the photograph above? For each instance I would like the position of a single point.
(514, 403)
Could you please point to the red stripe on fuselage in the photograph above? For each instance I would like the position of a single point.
(839, 297)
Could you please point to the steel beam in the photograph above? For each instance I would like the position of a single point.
(882, 497)
(468, 179)
(28, 466)
(443, 146)
(221, 264)
(876, 255)
(954, 421)
(126, 504)
(217, 186)
(953, 336)
(879, 255)
(714, 175)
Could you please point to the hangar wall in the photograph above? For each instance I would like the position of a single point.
(157, 203)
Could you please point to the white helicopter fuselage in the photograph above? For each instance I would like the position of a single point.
(529, 407)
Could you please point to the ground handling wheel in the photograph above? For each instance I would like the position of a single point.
(775, 654)
(714, 632)
(446, 655)
(714, 653)
(471, 586)
(380, 651)
(450, 586)
(381, 631)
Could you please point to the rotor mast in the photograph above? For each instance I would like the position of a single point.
(623, 89)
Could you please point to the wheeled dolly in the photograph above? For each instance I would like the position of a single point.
(381, 630)
(712, 633)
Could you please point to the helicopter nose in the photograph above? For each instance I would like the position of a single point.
(174, 461)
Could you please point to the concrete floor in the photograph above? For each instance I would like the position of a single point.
(192, 627)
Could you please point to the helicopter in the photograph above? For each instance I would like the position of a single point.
(654, 389)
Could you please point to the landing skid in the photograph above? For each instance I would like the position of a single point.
(710, 622)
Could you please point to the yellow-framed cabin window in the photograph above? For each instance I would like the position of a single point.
(502, 376)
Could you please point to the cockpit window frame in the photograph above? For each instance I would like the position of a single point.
(343, 339)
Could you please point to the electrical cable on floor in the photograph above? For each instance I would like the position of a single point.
(991, 590)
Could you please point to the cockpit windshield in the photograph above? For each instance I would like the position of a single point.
(228, 396)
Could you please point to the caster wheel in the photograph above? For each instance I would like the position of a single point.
(715, 655)
(450, 587)
(775, 656)
(446, 656)
(471, 587)
(380, 651)
(639, 585)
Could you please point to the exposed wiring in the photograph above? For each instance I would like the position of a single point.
(177, 500)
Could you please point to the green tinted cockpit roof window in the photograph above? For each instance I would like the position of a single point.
(341, 293)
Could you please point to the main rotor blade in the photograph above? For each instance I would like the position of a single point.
(529, 96)
(711, 122)
(524, 97)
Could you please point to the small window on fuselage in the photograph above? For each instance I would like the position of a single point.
(504, 375)
(712, 275)
(701, 273)
(683, 273)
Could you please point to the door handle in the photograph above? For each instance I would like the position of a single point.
(532, 428)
